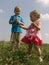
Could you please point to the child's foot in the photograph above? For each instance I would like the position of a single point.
(41, 59)
(18, 46)
(30, 55)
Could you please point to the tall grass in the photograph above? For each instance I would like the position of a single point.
(20, 57)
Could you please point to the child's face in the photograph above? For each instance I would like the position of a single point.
(33, 18)
(17, 12)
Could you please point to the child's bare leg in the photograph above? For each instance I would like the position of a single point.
(12, 45)
(30, 49)
(18, 44)
(12, 40)
(39, 52)
(18, 40)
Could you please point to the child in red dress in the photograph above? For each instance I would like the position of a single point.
(33, 35)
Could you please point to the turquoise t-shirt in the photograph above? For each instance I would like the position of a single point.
(15, 26)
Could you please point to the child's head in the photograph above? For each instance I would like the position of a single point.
(34, 15)
(17, 10)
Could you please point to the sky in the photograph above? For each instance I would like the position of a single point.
(7, 8)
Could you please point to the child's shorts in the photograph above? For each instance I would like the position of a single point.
(15, 37)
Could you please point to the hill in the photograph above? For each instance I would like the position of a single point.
(20, 57)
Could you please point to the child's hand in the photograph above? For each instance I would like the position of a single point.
(33, 23)
(19, 23)
(16, 20)
(37, 26)
(22, 26)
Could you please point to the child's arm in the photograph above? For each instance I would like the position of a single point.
(22, 26)
(19, 23)
(38, 26)
(11, 22)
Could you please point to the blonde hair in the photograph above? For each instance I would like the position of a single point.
(17, 9)
(35, 13)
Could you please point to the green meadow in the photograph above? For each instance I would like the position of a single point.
(20, 57)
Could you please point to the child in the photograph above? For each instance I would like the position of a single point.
(33, 35)
(16, 30)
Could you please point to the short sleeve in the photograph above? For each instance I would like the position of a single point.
(11, 18)
(22, 20)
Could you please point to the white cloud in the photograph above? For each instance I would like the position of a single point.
(43, 2)
(45, 16)
(1, 11)
(46, 34)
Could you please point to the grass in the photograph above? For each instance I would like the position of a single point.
(20, 57)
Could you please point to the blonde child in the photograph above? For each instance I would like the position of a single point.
(33, 35)
(16, 30)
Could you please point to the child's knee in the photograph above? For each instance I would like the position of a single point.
(12, 41)
(17, 40)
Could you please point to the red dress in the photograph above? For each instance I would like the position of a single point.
(32, 35)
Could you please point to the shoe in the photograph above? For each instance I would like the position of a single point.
(40, 59)
(30, 55)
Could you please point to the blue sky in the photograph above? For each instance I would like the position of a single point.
(6, 10)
